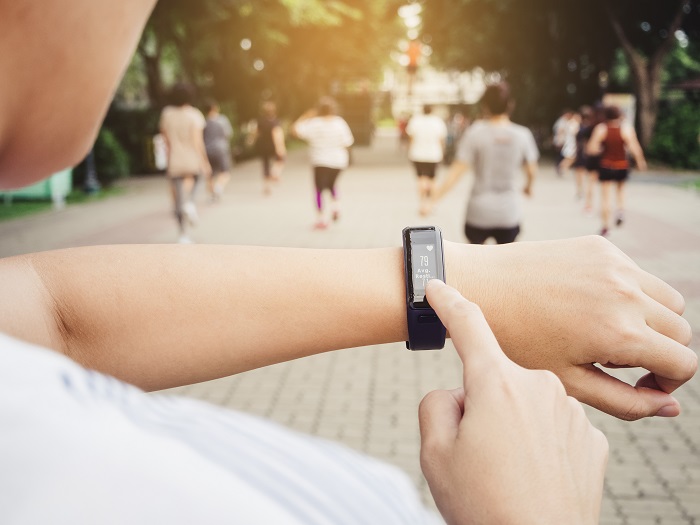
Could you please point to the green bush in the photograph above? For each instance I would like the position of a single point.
(111, 161)
(134, 129)
(675, 139)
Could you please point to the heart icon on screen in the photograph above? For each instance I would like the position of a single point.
(430, 247)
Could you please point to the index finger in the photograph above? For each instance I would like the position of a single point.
(662, 292)
(472, 337)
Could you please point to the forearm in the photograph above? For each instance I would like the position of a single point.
(162, 316)
(456, 170)
(278, 140)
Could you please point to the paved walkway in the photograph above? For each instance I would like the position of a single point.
(367, 397)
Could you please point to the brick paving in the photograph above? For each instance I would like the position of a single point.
(367, 397)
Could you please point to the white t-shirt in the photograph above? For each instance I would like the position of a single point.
(180, 124)
(79, 447)
(329, 139)
(427, 134)
(496, 153)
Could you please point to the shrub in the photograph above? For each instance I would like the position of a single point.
(111, 161)
(675, 139)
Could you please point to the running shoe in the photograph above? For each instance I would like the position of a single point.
(190, 211)
(184, 239)
(320, 225)
(604, 232)
(619, 218)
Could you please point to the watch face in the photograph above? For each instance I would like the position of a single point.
(425, 253)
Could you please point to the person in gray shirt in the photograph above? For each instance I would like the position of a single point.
(217, 139)
(498, 151)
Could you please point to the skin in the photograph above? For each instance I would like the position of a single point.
(564, 306)
(151, 316)
(470, 452)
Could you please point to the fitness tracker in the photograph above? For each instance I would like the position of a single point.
(422, 260)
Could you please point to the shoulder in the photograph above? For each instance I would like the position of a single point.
(166, 113)
(196, 115)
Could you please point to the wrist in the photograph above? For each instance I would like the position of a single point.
(470, 269)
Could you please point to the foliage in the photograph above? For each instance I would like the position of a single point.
(554, 52)
(301, 48)
(111, 161)
(134, 129)
(676, 139)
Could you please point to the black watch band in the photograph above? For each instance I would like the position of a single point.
(423, 260)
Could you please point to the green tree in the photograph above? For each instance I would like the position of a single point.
(558, 52)
(290, 49)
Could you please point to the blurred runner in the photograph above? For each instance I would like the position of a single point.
(182, 126)
(612, 140)
(581, 161)
(268, 138)
(498, 151)
(456, 126)
(568, 148)
(559, 136)
(217, 141)
(427, 134)
(329, 138)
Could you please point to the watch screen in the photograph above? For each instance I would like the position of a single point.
(424, 263)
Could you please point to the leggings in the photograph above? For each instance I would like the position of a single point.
(324, 179)
(177, 184)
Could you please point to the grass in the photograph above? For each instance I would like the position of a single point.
(22, 207)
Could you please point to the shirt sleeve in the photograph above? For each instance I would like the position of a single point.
(302, 128)
(410, 127)
(442, 128)
(199, 119)
(228, 129)
(348, 139)
(163, 122)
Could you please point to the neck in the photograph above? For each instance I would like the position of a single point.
(499, 119)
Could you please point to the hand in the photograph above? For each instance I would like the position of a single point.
(566, 305)
(510, 447)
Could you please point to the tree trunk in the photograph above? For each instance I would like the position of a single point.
(154, 78)
(646, 73)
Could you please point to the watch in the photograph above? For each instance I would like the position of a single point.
(423, 260)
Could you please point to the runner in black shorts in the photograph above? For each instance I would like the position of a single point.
(613, 139)
(612, 175)
(480, 235)
(425, 169)
(269, 142)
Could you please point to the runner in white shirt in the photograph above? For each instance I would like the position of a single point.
(329, 138)
(427, 133)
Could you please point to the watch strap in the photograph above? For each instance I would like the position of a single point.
(425, 330)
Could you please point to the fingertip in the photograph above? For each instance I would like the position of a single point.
(434, 284)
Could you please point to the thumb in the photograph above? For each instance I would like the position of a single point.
(472, 337)
(439, 415)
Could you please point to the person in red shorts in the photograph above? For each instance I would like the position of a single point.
(612, 140)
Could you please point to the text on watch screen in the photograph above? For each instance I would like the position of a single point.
(424, 265)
